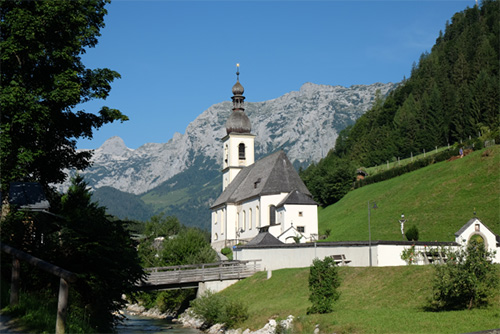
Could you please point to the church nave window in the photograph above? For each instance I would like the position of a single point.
(272, 215)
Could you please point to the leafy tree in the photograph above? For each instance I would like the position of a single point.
(100, 251)
(156, 230)
(43, 81)
(330, 180)
(467, 280)
(323, 284)
(162, 226)
(190, 246)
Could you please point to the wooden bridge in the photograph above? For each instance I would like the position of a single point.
(189, 276)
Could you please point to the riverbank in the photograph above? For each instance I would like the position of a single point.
(188, 319)
(136, 324)
(139, 310)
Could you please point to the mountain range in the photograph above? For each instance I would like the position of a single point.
(182, 176)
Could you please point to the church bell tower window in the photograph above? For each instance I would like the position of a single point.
(241, 151)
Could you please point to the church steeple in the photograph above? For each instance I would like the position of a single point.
(239, 142)
(238, 121)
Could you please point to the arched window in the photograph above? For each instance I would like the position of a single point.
(272, 215)
(223, 222)
(250, 219)
(241, 151)
(244, 221)
(257, 217)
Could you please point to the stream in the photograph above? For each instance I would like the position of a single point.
(136, 324)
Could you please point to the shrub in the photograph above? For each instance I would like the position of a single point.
(467, 280)
(412, 233)
(409, 255)
(214, 309)
(228, 252)
(323, 284)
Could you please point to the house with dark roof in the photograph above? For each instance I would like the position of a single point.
(264, 196)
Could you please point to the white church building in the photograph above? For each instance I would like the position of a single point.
(264, 198)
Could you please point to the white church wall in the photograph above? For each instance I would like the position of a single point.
(266, 202)
(215, 232)
(305, 216)
(247, 227)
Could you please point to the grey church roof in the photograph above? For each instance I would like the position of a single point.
(296, 197)
(273, 174)
(264, 239)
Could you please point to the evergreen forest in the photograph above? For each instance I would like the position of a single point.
(452, 97)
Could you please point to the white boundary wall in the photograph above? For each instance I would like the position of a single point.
(383, 253)
(302, 255)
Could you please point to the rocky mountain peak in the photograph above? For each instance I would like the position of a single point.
(304, 123)
(114, 146)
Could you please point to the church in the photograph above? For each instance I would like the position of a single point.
(264, 199)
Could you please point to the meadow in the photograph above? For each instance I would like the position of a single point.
(372, 300)
(438, 199)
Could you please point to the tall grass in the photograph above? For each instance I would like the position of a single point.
(373, 300)
(438, 200)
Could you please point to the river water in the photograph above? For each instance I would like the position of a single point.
(137, 324)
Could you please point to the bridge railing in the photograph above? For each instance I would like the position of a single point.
(224, 270)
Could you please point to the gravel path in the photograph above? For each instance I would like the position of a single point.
(7, 327)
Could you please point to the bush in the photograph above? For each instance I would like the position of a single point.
(323, 284)
(409, 255)
(227, 252)
(412, 233)
(214, 309)
(467, 280)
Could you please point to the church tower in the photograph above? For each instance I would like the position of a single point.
(238, 144)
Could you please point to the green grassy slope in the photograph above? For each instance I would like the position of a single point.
(373, 300)
(438, 199)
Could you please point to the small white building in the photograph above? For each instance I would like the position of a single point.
(475, 229)
(263, 196)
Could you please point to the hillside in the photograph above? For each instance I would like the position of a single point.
(438, 199)
(372, 300)
(452, 96)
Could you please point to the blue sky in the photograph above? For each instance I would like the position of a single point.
(177, 58)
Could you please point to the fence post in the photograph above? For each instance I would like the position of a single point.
(62, 305)
(14, 285)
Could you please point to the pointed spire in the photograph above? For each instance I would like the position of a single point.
(238, 88)
(238, 121)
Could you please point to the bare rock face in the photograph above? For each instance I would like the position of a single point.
(304, 123)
